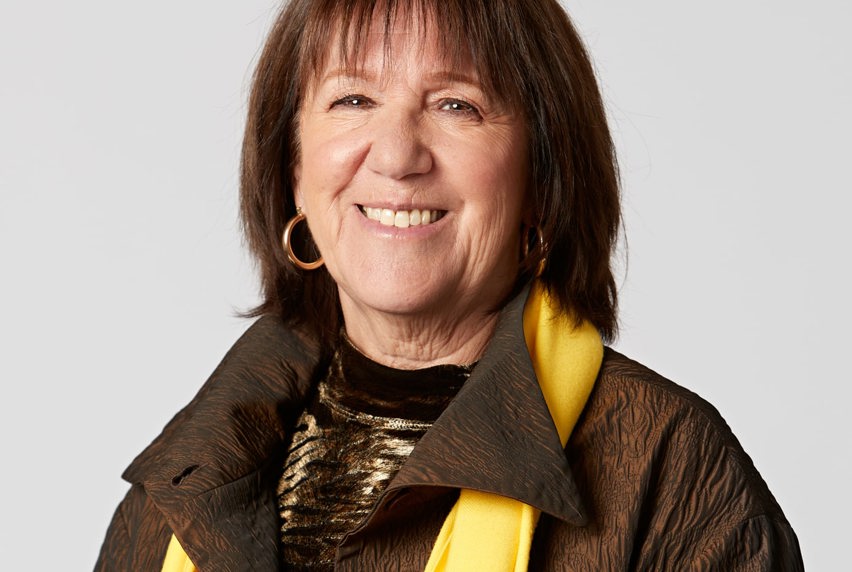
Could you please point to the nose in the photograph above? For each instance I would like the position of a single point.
(399, 147)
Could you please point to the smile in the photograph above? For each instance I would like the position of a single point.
(402, 219)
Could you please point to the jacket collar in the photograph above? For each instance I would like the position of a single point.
(232, 426)
(207, 472)
(497, 435)
(208, 464)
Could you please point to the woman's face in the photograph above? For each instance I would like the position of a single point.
(413, 181)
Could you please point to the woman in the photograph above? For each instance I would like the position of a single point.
(431, 194)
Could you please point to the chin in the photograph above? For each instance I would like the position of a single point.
(404, 303)
(407, 298)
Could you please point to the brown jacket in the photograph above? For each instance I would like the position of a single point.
(651, 479)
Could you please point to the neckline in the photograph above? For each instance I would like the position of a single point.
(361, 384)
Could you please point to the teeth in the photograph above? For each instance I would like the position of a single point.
(402, 219)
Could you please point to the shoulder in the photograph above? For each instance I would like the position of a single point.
(666, 483)
(622, 377)
(654, 407)
(664, 442)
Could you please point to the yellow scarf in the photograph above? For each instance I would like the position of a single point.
(485, 531)
(176, 559)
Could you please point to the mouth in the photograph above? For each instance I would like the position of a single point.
(402, 218)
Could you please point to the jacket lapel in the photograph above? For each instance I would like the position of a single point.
(212, 470)
(497, 435)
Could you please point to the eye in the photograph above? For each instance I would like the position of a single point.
(353, 101)
(460, 107)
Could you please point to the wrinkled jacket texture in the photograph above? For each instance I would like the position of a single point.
(651, 479)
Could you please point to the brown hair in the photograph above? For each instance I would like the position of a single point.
(526, 52)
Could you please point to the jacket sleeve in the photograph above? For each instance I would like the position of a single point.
(712, 510)
(716, 511)
(762, 543)
(759, 543)
(137, 538)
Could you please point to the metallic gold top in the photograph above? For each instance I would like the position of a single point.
(356, 432)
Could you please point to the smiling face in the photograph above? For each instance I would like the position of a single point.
(413, 180)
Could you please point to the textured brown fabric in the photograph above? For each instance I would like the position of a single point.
(651, 479)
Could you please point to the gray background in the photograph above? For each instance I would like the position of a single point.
(122, 263)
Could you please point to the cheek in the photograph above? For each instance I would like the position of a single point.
(496, 193)
(498, 161)
(331, 158)
(501, 186)
(500, 179)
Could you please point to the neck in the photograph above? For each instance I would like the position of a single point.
(406, 342)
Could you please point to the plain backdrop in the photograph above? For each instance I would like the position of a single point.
(122, 263)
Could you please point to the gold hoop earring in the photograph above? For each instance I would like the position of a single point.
(525, 241)
(288, 248)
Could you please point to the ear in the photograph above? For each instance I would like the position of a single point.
(297, 188)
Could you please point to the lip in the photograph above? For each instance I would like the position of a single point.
(412, 231)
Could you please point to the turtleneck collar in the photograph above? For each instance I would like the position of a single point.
(361, 384)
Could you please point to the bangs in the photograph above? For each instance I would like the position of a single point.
(475, 32)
